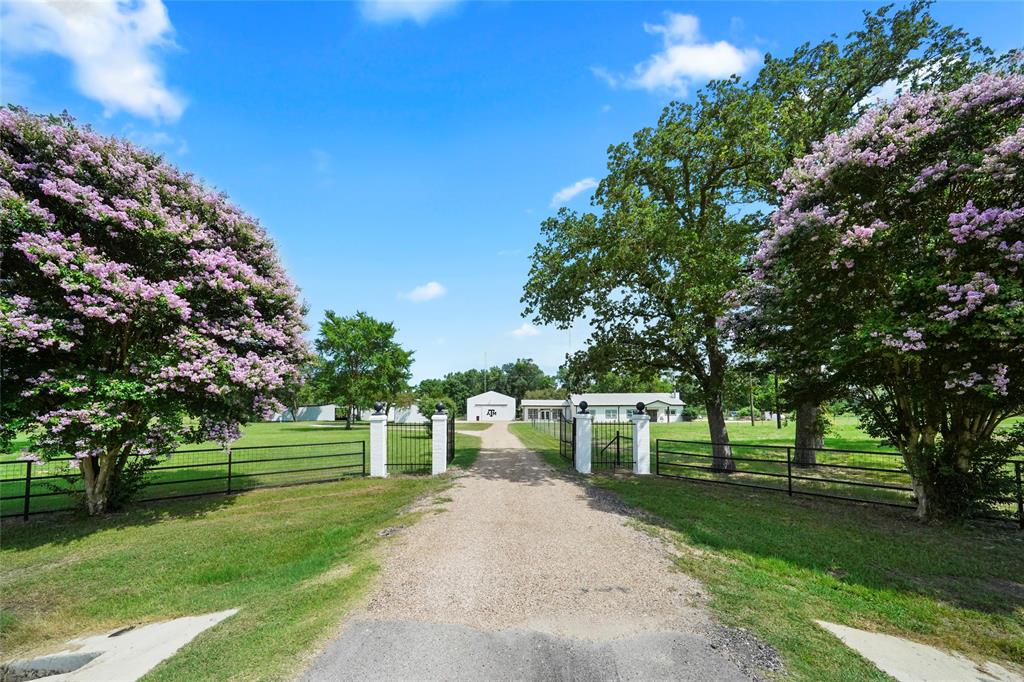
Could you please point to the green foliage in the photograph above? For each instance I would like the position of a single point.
(545, 394)
(515, 379)
(427, 405)
(360, 361)
(651, 272)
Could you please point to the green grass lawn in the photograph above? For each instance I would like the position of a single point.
(845, 433)
(774, 564)
(293, 559)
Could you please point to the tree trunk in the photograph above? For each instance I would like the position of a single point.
(95, 478)
(720, 450)
(809, 433)
(348, 422)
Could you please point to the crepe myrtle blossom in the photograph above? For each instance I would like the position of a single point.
(135, 300)
(896, 251)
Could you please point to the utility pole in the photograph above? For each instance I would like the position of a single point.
(485, 372)
(778, 415)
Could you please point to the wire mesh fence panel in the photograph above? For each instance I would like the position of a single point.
(32, 488)
(876, 477)
(611, 445)
(57, 485)
(409, 448)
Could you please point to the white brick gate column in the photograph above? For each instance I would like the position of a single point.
(641, 440)
(439, 437)
(584, 428)
(379, 442)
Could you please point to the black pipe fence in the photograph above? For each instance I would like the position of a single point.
(410, 447)
(853, 475)
(27, 488)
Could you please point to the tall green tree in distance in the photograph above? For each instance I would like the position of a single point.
(652, 270)
(361, 362)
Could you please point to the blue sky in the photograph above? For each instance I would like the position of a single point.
(403, 154)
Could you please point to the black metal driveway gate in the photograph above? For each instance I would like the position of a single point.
(611, 445)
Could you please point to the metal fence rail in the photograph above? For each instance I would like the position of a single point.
(409, 447)
(853, 475)
(450, 442)
(57, 485)
(567, 438)
(611, 445)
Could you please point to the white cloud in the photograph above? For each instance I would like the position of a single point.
(686, 57)
(567, 193)
(892, 88)
(678, 28)
(111, 46)
(157, 140)
(419, 11)
(426, 292)
(525, 329)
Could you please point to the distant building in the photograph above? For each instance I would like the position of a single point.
(617, 407)
(490, 407)
(545, 410)
(399, 415)
(608, 407)
(307, 413)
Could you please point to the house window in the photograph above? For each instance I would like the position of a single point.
(532, 414)
(611, 415)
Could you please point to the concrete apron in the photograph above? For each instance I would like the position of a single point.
(123, 655)
(909, 661)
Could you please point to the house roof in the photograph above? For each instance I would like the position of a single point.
(628, 399)
(541, 402)
(490, 395)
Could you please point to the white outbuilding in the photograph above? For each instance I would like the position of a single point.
(490, 406)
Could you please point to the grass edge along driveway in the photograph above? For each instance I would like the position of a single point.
(774, 564)
(295, 560)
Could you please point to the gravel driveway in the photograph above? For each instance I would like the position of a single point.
(525, 574)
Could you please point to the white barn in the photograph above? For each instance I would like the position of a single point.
(307, 413)
(490, 407)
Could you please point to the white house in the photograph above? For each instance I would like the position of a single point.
(617, 407)
(490, 407)
(608, 407)
(545, 410)
(307, 413)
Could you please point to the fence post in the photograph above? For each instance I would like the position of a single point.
(583, 430)
(379, 442)
(229, 467)
(789, 469)
(439, 436)
(641, 442)
(1020, 495)
(28, 487)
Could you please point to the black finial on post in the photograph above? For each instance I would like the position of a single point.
(583, 406)
(439, 407)
(378, 408)
(640, 407)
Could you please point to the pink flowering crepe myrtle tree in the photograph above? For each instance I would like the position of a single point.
(895, 264)
(135, 301)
